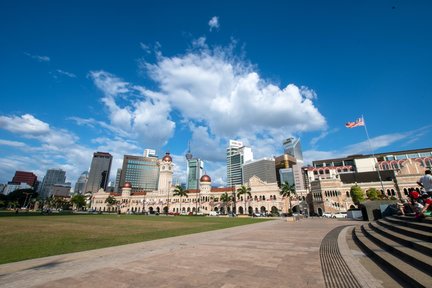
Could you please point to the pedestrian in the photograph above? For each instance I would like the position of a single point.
(426, 182)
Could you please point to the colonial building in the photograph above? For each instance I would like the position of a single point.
(331, 180)
(265, 197)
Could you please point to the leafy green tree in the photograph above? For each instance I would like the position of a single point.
(288, 191)
(245, 191)
(110, 200)
(225, 198)
(21, 196)
(372, 194)
(357, 194)
(78, 200)
(179, 191)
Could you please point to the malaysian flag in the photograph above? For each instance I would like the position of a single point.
(358, 122)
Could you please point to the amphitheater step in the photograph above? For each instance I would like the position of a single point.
(409, 255)
(400, 227)
(393, 265)
(416, 244)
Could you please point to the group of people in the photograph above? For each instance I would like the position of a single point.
(419, 203)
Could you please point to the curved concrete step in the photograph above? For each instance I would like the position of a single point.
(413, 219)
(399, 269)
(426, 227)
(412, 232)
(419, 245)
(408, 255)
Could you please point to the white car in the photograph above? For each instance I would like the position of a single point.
(213, 213)
(340, 215)
(327, 215)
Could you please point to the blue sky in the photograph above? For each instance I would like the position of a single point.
(120, 76)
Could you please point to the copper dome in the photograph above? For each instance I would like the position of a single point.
(167, 157)
(127, 185)
(205, 178)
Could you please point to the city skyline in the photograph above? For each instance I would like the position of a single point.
(122, 77)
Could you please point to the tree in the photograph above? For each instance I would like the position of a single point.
(179, 191)
(110, 200)
(225, 198)
(372, 194)
(288, 191)
(78, 200)
(245, 191)
(356, 194)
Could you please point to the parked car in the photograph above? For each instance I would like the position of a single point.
(340, 215)
(213, 213)
(327, 215)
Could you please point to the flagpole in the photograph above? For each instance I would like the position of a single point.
(373, 154)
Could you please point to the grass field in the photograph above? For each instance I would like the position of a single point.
(28, 237)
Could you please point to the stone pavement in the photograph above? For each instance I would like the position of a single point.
(268, 254)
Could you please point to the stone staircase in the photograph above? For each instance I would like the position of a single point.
(401, 246)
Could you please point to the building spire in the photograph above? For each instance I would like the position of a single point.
(188, 154)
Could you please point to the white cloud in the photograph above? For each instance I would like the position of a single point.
(365, 147)
(65, 73)
(38, 58)
(308, 93)
(229, 98)
(214, 23)
(26, 124)
(15, 144)
(135, 111)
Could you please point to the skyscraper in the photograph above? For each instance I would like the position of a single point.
(194, 171)
(117, 181)
(141, 172)
(52, 177)
(99, 172)
(237, 155)
(81, 183)
(292, 147)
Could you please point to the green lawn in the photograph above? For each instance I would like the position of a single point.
(39, 236)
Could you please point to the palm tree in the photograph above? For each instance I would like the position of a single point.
(225, 198)
(288, 191)
(246, 191)
(179, 191)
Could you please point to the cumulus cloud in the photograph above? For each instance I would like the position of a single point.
(38, 58)
(230, 98)
(214, 23)
(135, 111)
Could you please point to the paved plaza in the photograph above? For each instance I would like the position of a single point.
(268, 254)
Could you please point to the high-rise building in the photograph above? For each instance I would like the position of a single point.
(263, 168)
(141, 172)
(284, 161)
(286, 175)
(194, 171)
(237, 155)
(81, 183)
(25, 177)
(117, 181)
(149, 153)
(292, 147)
(99, 172)
(53, 176)
(293, 156)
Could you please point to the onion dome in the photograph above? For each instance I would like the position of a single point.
(205, 178)
(127, 185)
(167, 157)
